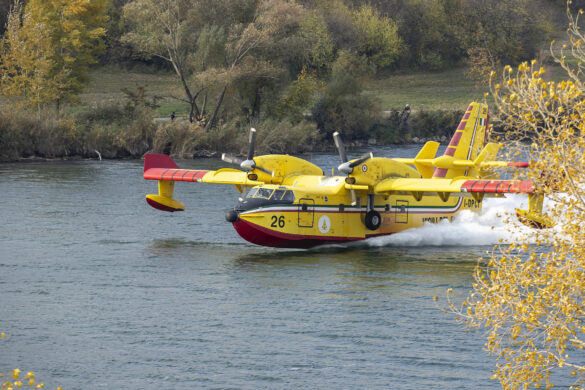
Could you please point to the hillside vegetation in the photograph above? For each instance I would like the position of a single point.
(92, 79)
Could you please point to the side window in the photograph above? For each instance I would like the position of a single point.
(288, 196)
(277, 195)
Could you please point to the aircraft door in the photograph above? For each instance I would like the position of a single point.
(306, 212)
(401, 211)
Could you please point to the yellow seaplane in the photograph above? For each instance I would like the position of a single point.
(288, 202)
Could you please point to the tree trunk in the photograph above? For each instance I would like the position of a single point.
(211, 121)
(203, 113)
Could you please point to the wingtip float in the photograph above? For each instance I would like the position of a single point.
(288, 202)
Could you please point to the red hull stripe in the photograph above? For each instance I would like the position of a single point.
(262, 236)
(173, 174)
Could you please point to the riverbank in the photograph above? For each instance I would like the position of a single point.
(114, 119)
(114, 132)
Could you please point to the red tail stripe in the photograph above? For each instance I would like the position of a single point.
(440, 172)
(462, 125)
(456, 138)
(450, 151)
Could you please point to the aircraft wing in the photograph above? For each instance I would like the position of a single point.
(161, 167)
(454, 186)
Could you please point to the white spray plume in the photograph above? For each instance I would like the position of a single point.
(467, 229)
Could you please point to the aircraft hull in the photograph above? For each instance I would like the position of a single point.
(262, 236)
(290, 227)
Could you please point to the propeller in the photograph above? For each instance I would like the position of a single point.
(346, 166)
(249, 164)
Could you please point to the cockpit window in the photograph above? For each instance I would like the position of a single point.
(252, 192)
(264, 193)
(269, 193)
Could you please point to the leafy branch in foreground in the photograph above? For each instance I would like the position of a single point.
(16, 381)
(530, 295)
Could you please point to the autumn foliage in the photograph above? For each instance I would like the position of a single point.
(530, 294)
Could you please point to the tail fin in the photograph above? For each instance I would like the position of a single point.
(468, 140)
(429, 151)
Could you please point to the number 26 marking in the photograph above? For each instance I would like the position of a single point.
(277, 220)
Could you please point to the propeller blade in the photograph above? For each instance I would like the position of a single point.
(353, 198)
(252, 143)
(231, 159)
(271, 173)
(362, 159)
(340, 147)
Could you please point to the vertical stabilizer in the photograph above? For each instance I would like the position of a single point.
(468, 140)
(428, 152)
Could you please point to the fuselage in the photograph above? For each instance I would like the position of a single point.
(318, 210)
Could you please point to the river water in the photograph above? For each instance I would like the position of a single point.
(98, 290)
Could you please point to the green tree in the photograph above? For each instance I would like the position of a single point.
(376, 36)
(167, 29)
(321, 52)
(214, 45)
(26, 63)
(65, 37)
(512, 30)
(343, 106)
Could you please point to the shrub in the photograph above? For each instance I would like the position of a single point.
(285, 137)
(181, 139)
(428, 124)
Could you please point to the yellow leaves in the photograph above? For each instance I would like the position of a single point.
(3, 335)
(15, 373)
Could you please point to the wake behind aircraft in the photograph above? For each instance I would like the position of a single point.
(288, 202)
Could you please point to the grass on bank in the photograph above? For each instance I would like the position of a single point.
(445, 90)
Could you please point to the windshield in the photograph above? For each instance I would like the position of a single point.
(269, 193)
